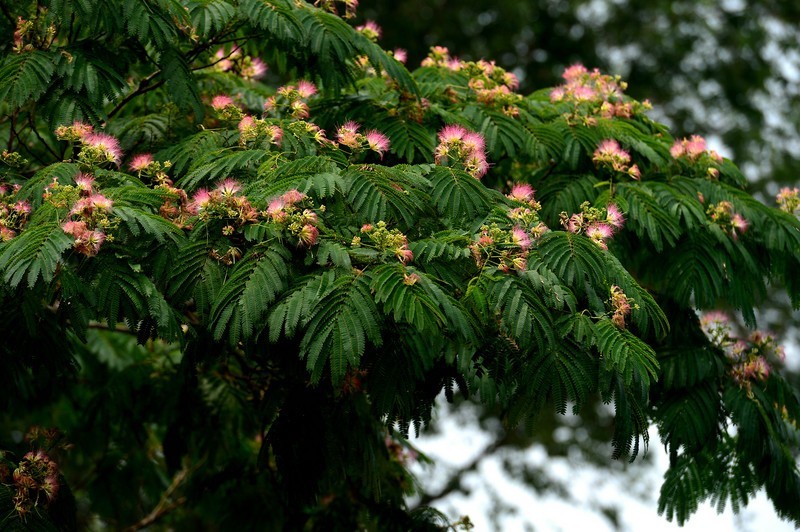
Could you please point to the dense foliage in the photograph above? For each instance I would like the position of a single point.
(229, 292)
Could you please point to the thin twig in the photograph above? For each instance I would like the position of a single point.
(165, 505)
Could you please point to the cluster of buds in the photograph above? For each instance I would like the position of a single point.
(595, 94)
(176, 208)
(226, 108)
(370, 30)
(88, 219)
(597, 224)
(224, 203)
(233, 61)
(622, 306)
(731, 222)
(144, 164)
(400, 453)
(294, 210)
(330, 6)
(33, 34)
(462, 148)
(611, 156)
(12, 159)
(789, 200)
(491, 84)
(695, 150)
(96, 148)
(387, 240)
(752, 358)
(348, 135)
(291, 100)
(255, 130)
(13, 213)
(439, 56)
(34, 480)
(506, 248)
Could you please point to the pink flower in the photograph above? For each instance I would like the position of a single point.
(221, 101)
(276, 134)
(366, 228)
(293, 196)
(201, 199)
(696, 146)
(473, 141)
(370, 29)
(598, 232)
(255, 70)
(89, 243)
(347, 134)
(377, 142)
(614, 216)
(404, 254)
(22, 207)
(452, 132)
(574, 72)
(306, 89)
(739, 223)
(677, 150)
(308, 235)
(520, 238)
(246, 124)
(275, 207)
(610, 149)
(107, 143)
(6, 234)
(100, 202)
(228, 187)
(139, 162)
(76, 229)
(401, 55)
(521, 192)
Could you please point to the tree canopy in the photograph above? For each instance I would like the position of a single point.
(244, 248)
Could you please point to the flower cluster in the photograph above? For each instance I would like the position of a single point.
(370, 30)
(88, 219)
(622, 306)
(12, 159)
(387, 240)
(34, 481)
(226, 108)
(491, 84)
(294, 211)
(610, 155)
(403, 454)
(462, 148)
(506, 248)
(253, 130)
(34, 34)
(13, 213)
(723, 215)
(752, 358)
(144, 164)
(695, 150)
(789, 200)
(96, 148)
(595, 94)
(233, 61)
(330, 6)
(291, 100)
(348, 135)
(597, 224)
(224, 203)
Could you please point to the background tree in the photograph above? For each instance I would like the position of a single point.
(235, 297)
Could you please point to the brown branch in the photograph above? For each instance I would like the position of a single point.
(454, 484)
(144, 87)
(165, 505)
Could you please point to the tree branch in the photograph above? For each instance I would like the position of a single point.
(454, 484)
(165, 505)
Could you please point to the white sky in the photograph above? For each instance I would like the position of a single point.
(459, 440)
